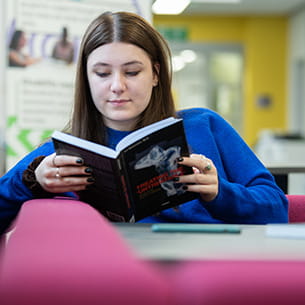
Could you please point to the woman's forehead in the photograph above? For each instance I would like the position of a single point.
(118, 53)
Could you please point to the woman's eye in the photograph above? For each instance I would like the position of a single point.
(132, 73)
(102, 74)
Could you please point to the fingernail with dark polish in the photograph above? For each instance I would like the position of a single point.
(90, 179)
(88, 170)
(185, 187)
(176, 179)
(180, 159)
(79, 161)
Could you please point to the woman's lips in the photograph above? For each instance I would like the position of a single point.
(119, 102)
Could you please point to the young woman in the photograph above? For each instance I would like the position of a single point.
(63, 49)
(123, 82)
(16, 56)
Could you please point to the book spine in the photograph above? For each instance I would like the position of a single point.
(122, 199)
(125, 185)
(124, 188)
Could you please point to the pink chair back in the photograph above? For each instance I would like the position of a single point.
(238, 282)
(296, 208)
(62, 252)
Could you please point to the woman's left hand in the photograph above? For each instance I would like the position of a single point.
(204, 180)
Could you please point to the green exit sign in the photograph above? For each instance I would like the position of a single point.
(174, 33)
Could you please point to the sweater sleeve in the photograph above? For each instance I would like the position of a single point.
(13, 192)
(247, 190)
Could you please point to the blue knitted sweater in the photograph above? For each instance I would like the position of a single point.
(247, 191)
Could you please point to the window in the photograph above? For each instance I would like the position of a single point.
(209, 76)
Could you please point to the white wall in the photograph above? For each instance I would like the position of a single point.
(2, 93)
(296, 68)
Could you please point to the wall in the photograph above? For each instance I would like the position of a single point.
(265, 45)
(296, 93)
(39, 97)
(2, 95)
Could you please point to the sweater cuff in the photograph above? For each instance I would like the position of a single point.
(29, 180)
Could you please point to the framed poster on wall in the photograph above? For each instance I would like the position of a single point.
(38, 78)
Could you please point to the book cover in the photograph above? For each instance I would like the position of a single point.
(135, 180)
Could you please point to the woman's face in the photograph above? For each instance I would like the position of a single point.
(121, 80)
(22, 41)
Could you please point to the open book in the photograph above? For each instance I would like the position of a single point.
(136, 179)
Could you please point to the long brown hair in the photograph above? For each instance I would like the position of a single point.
(87, 121)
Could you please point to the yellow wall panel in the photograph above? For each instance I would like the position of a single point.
(265, 67)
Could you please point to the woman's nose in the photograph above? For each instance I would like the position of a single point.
(118, 83)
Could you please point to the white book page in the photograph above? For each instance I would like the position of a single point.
(96, 148)
(141, 133)
(126, 141)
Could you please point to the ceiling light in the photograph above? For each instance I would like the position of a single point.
(178, 63)
(188, 56)
(170, 7)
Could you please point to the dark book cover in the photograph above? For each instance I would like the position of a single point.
(106, 194)
(151, 164)
(136, 181)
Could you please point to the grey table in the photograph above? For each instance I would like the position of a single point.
(251, 244)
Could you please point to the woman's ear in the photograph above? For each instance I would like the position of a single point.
(156, 70)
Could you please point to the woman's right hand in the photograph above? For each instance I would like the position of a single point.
(63, 173)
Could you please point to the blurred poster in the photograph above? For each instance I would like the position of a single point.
(2, 97)
(42, 44)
